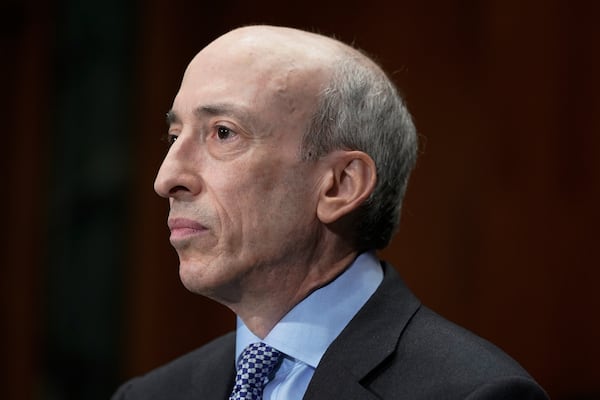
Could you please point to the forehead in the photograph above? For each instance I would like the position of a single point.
(249, 73)
(235, 79)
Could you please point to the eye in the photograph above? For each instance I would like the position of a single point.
(224, 133)
(169, 139)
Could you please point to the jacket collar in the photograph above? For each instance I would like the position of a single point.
(366, 342)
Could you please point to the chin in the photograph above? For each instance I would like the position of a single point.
(192, 276)
(202, 280)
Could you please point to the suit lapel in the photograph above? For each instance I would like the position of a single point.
(370, 337)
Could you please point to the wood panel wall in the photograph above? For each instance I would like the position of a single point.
(499, 230)
(25, 44)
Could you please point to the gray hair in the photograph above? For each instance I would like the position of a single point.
(361, 109)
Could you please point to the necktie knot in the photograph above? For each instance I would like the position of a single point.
(257, 363)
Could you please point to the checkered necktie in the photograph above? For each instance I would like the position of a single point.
(257, 363)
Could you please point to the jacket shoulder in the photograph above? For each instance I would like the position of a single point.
(443, 360)
(396, 348)
(207, 369)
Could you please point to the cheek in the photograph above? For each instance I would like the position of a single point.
(242, 198)
(251, 185)
(259, 199)
(281, 201)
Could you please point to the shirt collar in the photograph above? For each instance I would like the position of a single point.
(308, 329)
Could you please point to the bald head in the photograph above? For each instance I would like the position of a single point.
(280, 69)
(285, 47)
(294, 63)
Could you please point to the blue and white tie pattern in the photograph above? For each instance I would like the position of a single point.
(257, 363)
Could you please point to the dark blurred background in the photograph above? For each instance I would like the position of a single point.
(500, 226)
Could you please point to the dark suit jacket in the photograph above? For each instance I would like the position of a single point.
(394, 348)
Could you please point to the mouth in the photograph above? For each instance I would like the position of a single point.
(182, 228)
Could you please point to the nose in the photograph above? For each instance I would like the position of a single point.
(179, 175)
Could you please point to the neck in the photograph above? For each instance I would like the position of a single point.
(262, 308)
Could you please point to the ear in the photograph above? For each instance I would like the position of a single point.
(351, 180)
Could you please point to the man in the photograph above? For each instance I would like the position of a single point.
(290, 154)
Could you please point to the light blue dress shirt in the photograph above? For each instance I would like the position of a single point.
(305, 332)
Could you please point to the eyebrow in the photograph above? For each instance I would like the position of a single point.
(226, 109)
(172, 117)
(242, 115)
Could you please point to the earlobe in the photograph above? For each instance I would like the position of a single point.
(351, 181)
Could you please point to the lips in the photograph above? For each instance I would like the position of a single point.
(182, 228)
